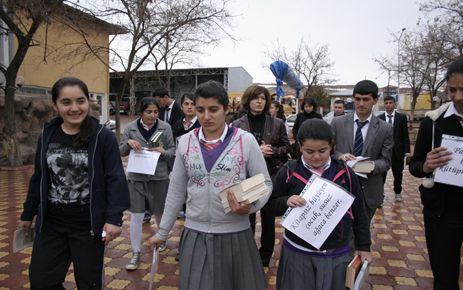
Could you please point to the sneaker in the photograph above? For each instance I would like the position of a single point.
(134, 262)
(163, 247)
(398, 197)
(147, 217)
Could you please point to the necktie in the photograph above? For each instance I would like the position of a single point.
(390, 119)
(166, 117)
(186, 124)
(358, 142)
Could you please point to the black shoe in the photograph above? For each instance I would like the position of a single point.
(265, 259)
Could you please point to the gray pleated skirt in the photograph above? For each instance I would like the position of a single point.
(300, 271)
(220, 261)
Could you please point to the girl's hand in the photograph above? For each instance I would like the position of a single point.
(235, 206)
(112, 232)
(154, 242)
(134, 144)
(365, 256)
(25, 225)
(435, 158)
(160, 149)
(295, 201)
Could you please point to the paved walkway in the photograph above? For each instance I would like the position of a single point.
(399, 245)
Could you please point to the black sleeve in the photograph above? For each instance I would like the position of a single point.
(361, 226)
(296, 125)
(117, 192)
(406, 140)
(33, 195)
(422, 147)
(276, 204)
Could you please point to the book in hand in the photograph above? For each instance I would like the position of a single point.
(356, 273)
(365, 166)
(248, 191)
(23, 238)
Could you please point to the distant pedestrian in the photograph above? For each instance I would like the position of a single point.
(442, 203)
(338, 108)
(401, 148)
(302, 266)
(218, 250)
(77, 191)
(189, 121)
(308, 111)
(169, 110)
(146, 191)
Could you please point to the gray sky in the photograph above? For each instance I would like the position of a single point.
(356, 32)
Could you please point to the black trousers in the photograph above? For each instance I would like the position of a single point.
(59, 244)
(397, 166)
(444, 236)
(267, 238)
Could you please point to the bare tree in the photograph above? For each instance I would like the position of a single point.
(449, 13)
(148, 25)
(22, 19)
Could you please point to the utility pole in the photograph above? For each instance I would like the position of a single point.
(398, 62)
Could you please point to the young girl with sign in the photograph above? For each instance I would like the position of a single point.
(301, 265)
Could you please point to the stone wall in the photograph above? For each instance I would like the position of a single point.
(31, 113)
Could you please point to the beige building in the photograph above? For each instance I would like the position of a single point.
(59, 50)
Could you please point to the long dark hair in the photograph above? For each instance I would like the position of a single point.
(86, 127)
(280, 110)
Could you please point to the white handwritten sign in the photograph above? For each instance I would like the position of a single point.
(143, 161)
(326, 204)
(452, 173)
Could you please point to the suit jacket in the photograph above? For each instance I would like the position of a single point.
(175, 115)
(400, 133)
(377, 145)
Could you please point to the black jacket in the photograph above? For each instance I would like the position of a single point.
(441, 197)
(286, 185)
(400, 133)
(178, 129)
(275, 135)
(301, 117)
(109, 194)
(175, 115)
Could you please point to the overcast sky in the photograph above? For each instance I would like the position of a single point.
(356, 32)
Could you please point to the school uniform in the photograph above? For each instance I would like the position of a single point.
(301, 265)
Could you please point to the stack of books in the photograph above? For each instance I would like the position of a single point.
(248, 191)
(356, 273)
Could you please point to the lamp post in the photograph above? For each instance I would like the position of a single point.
(398, 62)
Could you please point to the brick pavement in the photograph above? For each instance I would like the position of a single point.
(399, 245)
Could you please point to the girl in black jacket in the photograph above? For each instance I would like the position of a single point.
(78, 192)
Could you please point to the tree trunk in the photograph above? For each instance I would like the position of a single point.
(413, 105)
(10, 142)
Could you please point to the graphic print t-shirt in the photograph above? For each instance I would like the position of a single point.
(68, 169)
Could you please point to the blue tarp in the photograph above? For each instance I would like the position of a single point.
(283, 73)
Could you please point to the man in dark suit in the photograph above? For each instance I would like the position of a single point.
(363, 134)
(170, 110)
(401, 143)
